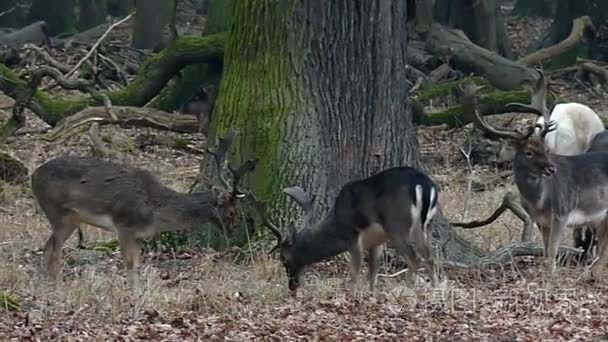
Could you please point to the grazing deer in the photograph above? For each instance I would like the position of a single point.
(128, 201)
(396, 204)
(576, 124)
(584, 236)
(556, 190)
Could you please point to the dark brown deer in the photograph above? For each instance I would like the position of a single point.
(584, 236)
(128, 201)
(396, 204)
(556, 190)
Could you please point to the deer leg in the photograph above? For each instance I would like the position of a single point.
(62, 228)
(413, 263)
(130, 249)
(601, 232)
(355, 265)
(373, 264)
(545, 233)
(552, 243)
(423, 246)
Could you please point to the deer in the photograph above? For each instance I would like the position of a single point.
(576, 124)
(584, 236)
(553, 190)
(394, 205)
(128, 201)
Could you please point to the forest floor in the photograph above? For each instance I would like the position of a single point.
(209, 296)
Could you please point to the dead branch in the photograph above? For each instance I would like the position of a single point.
(96, 45)
(142, 117)
(580, 28)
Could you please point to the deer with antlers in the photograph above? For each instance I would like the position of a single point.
(576, 124)
(128, 201)
(556, 190)
(396, 204)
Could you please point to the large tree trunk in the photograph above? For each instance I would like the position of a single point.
(150, 23)
(320, 96)
(536, 8)
(481, 21)
(59, 15)
(14, 13)
(92, 13)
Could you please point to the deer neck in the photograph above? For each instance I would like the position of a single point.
(323, 240)
(180, 211)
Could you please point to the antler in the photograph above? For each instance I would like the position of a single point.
(260, 207)
(468, 97)
(299, 195)
(538, 103)
(247, 166)
(219, 154)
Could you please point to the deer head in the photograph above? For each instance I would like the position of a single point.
(531, 155)
(228, 193)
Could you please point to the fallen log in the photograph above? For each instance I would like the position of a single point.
(502, 73)
(33, 33)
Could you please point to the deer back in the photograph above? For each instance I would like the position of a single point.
(114, 196)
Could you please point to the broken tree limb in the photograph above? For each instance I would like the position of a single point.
(153, 76)
(503, 74)
(142, 117)
(580, 28)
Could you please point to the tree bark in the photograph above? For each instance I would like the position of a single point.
(481, 21)
(320, 96)
(536, 8)
(150, 22)
(119, 8)
(59, 15)
(92, 13)
(14, 13)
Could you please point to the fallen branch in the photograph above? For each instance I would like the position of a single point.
(33, 33)
(580, 28)
(462, 54)
(142, 117)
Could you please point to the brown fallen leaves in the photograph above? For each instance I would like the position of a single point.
(519, 310)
